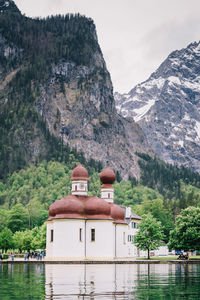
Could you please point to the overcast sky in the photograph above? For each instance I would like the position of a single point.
(135, 35)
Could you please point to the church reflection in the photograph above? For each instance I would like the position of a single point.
(90, 281)
(114, 281)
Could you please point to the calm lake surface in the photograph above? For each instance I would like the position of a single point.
(135, 281)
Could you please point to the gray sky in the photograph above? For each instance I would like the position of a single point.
(135, 35)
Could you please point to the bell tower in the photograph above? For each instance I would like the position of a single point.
(79, 180)
(107, 178)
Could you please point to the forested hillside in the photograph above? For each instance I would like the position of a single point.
(25, 196)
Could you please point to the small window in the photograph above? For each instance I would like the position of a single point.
(108, 195)
(130, 238)
(51, 235)
(92, 235)
(80, 234)
(75, 188)
(124, 238)
(134, 225)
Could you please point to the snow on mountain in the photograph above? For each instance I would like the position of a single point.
(167, 107)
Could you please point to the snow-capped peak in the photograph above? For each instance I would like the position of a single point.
(167, 107)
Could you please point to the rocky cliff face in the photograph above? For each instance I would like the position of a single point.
(167, 107)
(83, 114)
(53, 73)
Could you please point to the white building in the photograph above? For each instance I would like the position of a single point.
(88, 227)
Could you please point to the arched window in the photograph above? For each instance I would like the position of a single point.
(51, 236)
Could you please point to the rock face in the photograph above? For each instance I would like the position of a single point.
(83, 114)
(54, 72)
(167, 107)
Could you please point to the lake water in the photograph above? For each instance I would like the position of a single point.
(102, 282)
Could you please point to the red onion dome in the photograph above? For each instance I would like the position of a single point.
(117, 213)
(67, 207)
(97, 207)
(107, 176)
(79, 173)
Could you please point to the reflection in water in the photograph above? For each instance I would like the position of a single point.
(136, 281)
(99, 282)
(22, 282)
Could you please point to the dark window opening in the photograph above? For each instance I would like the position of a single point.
(93, 235)
(51, 235)
(130, 238)
(80, 234)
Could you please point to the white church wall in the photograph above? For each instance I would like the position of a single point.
(66, 243)
(103, 246)
(121, 240)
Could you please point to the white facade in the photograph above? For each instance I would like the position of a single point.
(73, 239)
(121, 240)
(89, 239)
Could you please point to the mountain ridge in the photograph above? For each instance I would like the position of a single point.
(167, 107)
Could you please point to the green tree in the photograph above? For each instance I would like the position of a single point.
(36, 213)
(150, 234)
(157, 209)
(39, 239)
(186, 234)
(6, 239)
(17, 218)
(27, 239)
(3, 218)
(18, 240)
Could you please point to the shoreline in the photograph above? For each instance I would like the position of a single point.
(77, 262)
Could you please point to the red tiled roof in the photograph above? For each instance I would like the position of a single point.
(85, 207)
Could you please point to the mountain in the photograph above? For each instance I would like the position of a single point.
(8, 6)
(56, 94)
(167, 107)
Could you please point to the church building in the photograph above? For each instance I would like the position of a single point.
(88, 227)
